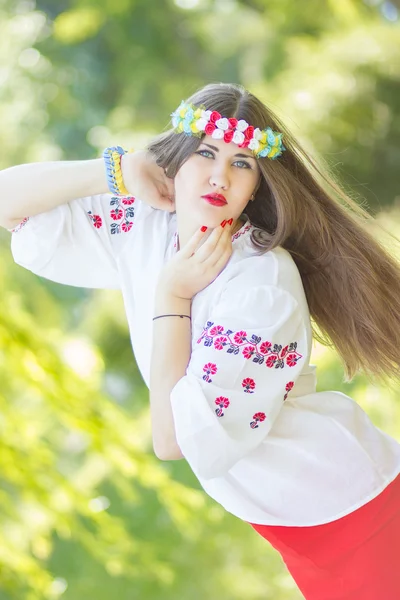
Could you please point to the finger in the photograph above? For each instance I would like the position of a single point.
(223, 260)
(212, 257)
(211, 249)
(192, 244)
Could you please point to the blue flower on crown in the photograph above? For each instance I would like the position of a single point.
(264, 152)
(270, 137)
(176, 116)
(189, 116)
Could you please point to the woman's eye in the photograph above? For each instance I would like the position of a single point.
(203, 152)
(244, 164)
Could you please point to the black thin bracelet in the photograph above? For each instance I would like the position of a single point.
(159, 317)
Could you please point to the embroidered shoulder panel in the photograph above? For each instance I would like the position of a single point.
(121, 214)
(255, 348)
(261, 352)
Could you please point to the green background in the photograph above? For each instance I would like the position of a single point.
(86, 509)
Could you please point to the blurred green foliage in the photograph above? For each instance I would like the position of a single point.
(86, 508)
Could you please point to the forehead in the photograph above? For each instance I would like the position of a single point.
(227, 148)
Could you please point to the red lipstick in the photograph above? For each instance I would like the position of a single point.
(216, 199)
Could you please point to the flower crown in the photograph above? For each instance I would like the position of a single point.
(195, 120)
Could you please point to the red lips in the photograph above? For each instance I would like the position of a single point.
(216, 197)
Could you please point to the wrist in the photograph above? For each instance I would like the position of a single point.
(113, 156)
(167, 302)
(129, 170)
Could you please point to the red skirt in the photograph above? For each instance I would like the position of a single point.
(356, 557)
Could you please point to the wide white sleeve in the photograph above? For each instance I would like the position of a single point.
(77, 243)
(242, 367)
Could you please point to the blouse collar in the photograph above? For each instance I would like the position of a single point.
(243, 232)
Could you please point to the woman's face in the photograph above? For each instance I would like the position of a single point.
(216, 167)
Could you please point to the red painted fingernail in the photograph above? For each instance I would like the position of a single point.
(223, 223)
(230, 221)
(204, 228)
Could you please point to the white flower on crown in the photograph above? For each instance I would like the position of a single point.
(201, 124)
(217, 134)
(254, 144)
(206, 114)
(238, 137)
(222, 123)
(257, 133)
(242, 125)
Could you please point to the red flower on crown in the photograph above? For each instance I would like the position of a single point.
(210, 127)
(228, 135)
(248, 133)
(214, 116)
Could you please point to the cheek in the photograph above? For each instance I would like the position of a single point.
(185, 177)
(180, 180)
(244, 184)
(182, 184)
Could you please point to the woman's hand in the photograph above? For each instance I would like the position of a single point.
(146, 180)
(191, 270)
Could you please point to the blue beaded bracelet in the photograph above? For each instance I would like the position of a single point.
(112, 159)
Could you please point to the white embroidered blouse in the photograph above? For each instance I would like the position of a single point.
(261, 440)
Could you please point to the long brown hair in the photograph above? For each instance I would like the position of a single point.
(351, 282)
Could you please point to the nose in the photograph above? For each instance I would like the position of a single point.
(219, 178)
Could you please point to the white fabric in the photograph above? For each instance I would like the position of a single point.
(261, 440)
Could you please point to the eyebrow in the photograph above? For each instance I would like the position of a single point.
(240, 155)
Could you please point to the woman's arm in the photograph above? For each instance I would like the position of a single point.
(31, 189)
(189, 271)
(170, 357)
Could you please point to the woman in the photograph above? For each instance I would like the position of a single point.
(225, 240)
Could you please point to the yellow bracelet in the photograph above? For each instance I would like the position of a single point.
(112, 159)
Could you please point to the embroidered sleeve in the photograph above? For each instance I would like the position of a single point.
(242, 367)
(77, 243)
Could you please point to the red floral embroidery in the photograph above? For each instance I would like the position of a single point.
(122, 212)
(20, 225)
(117, 214)
(97, 221)
(209, 369)
(222, 403)
(241, 231)
(274, 356)
(291, 360)
(288, 387)
(248, 385)
(258, 417)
